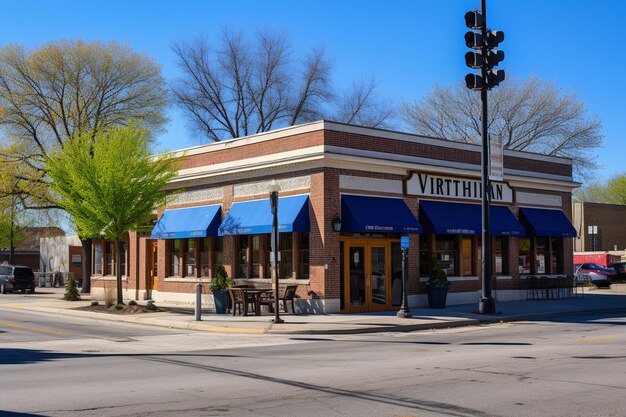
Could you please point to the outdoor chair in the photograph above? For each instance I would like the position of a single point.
(288, 295)
(533, 289)
(238, 300)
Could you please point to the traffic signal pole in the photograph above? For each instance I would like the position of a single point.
(487, 304)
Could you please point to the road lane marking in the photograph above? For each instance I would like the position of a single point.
(596, 339)
(34, 329)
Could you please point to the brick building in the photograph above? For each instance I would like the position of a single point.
(379, 185)
(599, 227)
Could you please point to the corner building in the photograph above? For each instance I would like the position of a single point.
(347, 195)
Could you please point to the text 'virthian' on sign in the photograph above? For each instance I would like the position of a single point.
(422, 184)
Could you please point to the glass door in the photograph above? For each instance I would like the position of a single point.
(356, 278)
(366, 275)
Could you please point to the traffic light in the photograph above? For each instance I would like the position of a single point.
(483, 57)
(474, 81)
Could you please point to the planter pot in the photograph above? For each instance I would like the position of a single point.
(437, 296)
(220, 299)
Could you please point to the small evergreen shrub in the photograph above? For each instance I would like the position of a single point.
(95, 303)
(132, 303)
(151, 306)
(71, 292)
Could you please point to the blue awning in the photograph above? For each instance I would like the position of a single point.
(361, 214)
(466, 219)
(255, 217)
(188, 223)
(546, 222)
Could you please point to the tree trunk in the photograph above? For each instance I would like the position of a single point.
(86, 243)
(11, 253)
(120, 250)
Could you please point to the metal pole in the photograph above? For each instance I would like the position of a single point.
(487, 304)
(405, 311)
(198, 301)
(274, 207)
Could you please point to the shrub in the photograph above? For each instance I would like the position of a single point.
(95, 303)
(109, 296)
(71, 292)
(151, 306)
(221, 281)
(437, 276)
(119, 306)
(132, 303)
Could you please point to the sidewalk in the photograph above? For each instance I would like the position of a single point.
(182, 316)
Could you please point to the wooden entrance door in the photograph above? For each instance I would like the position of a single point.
(154, 258)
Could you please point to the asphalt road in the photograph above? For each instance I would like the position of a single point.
(59, 366)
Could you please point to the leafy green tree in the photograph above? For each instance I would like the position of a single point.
(67, 88)
(110, 183)
(611, 192)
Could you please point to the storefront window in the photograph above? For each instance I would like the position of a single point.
(500, 254)
(286, 255)
(243, 256)
(525, 255)
(175, 258)
(542, 249)
(97, 258)
(218, 250)
(190, 258)
(204, 257)
(304, 256)
(556, 255)
(256, 255)
(108, 257)
(467, 256)
(425, 255)
(446, 253)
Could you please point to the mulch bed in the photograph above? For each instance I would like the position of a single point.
(138, 309)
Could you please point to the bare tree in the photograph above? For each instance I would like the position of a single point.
(240, 88)
(532, 116)
(69, 87)
(361, 106)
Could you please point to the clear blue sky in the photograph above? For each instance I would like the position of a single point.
(407, 45)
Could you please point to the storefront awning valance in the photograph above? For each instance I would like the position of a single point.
(255, 217)
(185, 223)
(363, 214)
(546, 223)
(466, 219)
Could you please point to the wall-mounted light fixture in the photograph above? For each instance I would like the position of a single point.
(336, 223)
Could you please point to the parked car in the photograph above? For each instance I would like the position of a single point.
(620, 270)
(16, 277)
(595, 274)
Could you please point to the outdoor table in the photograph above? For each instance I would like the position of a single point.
(254, 294)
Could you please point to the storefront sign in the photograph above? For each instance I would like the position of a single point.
(426, 185)
(404, 242)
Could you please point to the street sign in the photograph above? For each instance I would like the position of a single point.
(404, 242)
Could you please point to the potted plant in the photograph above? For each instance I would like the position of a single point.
(219, 284)
(437, 286)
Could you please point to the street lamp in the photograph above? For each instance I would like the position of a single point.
(274, 188)
(336, 223)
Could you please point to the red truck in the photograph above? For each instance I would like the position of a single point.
(601, 258)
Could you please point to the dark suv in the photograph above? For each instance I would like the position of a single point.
(16, 277)
(620, 268)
